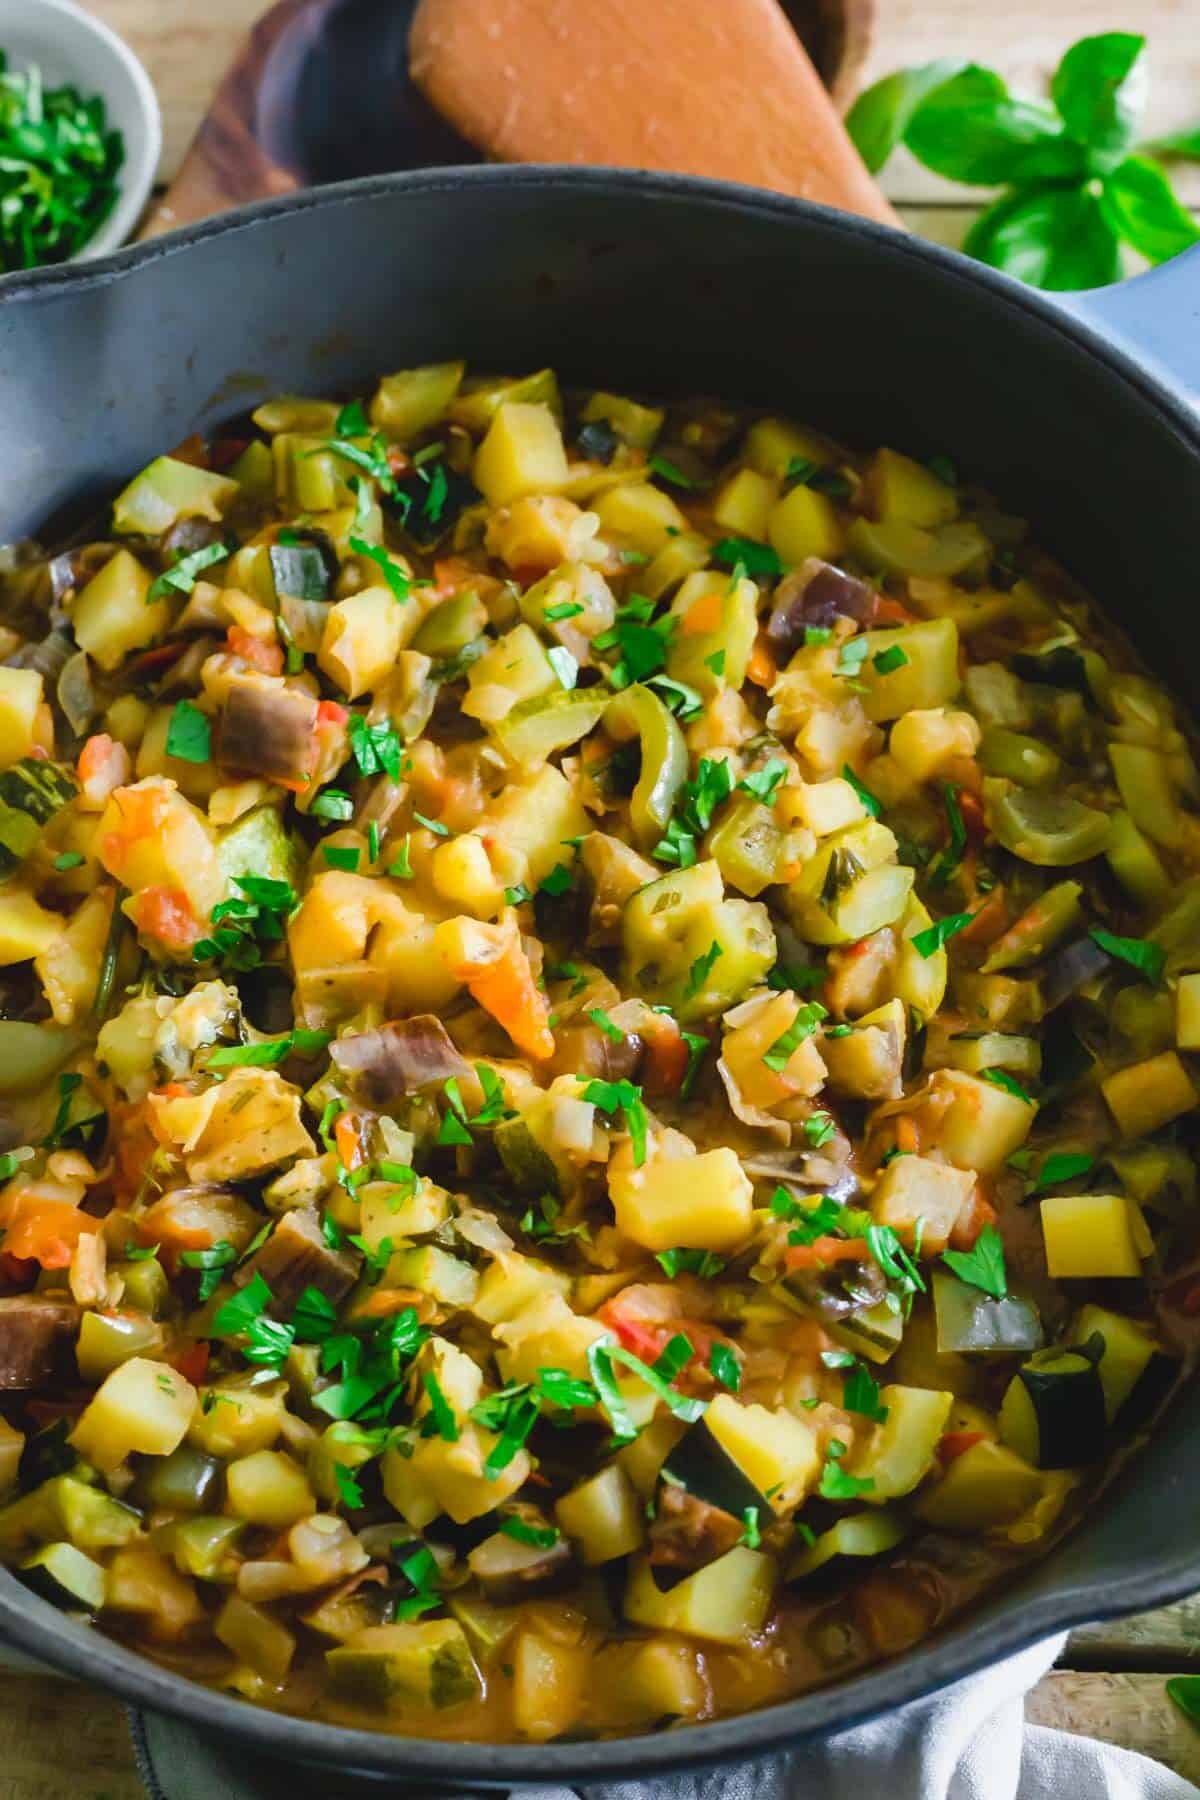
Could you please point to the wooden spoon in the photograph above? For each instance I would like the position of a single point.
(320, 90)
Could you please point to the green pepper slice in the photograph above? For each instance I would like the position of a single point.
(637, 712)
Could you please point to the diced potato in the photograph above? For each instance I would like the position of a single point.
(638, 425)
(805, 523)
(603, 1516)
(511, 1283)
(773, 444)
(440, 1477)
(20, 698)
(924, 742)
(143, 1405)
(268, 1488)
(1149, 1095)
(545, 1334)
(900, 1452)
(149, 836)
(750, 1032)
(920, 981)
(914, 1189)
(640, 514)
(235, 1419)
(27, 930)
(824, 806)
(1090, 1236)
(726, 1602)
(67, 968)
(141, 1580)
(701, 1202)
(1187, 1012)
(411, 400)
(169, 489)
(983, 1123)
(868, 1063)
(405, 1668)
(112, 617)
(256, 1638)
(717, 624)
(775, 1448)
(644, 1682)
(516, 668)
(899, 488)
(521, 454)
(363, 636)
(742, 504)
(928, 678)
(549, 1682)
(986, 1487)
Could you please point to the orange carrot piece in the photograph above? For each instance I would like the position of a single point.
(46, 1231)
(761, 668)
(703, 615)
(824, 1250)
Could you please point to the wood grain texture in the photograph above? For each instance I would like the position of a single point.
(1130, 1710)
(59, 1740)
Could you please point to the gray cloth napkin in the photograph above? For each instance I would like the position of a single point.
(969, 1742)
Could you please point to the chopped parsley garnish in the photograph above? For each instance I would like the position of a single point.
(836, 1484)
(753, 557)
(799, 977)
(516, 896)
(725, 1367)
(642, 646)
(928, 943)
(601, 1356)
(339, 856)
(373, 462)
(393, 575)
(538, 1537)
(180, 578)
(704, 1263)
(683, 700)
(334, 805)
(1002, 1079)
(716, 662)
(808, 1016)
(70, 859)
(851, 657)
(189, 734)
(982, 1267)
(669, 471)
(1149, 959)
(860, 1393)
(271, 1051)
(818, 1128)
(700, 970)
(439, 1420)
(694, 810)
(601, 1020)
(242, 924)
(762, 783)
(817, 635)
(349, 1490)
(377, 749)
(872, 803)
(556, 882)
(886, 662)
(352, 420)
(561, 609)
(267, 1340)
(674, 1356)
(624, 1097)
(400, 868)
(697, 1049)
(751, 1535)
(1061, 1165)
(420, 1570)
(952, 855)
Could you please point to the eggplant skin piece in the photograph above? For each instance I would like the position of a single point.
(33, 1333)
(1069, 1406)
(817, 593)
(267, 730)
(382, 1067)
(700, 1506)
(296, 1256)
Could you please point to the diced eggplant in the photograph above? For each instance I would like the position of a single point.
(430, 507)
(303, 571)
(186, 1481)
(34, 1333)
(1072, 968)
(688, 1533)
(1053, 1411)
(817, 593)
(1134, 1371)
(296, 1256)
(531, 1170)
(401, 1058)
(31, 792)
(509, 1570)
(857, 1535)
(267, 729)
(65, 1576)
(266, 995)
(840, 1289)
(972, 1323)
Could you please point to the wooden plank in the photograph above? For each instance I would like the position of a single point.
(1165, 1640)
(58, 1739)
(1130, 1710)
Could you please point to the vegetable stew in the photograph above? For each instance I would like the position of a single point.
(599, 1034)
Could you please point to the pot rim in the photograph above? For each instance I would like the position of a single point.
(969, 1643)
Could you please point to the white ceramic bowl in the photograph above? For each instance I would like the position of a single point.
(69, 45)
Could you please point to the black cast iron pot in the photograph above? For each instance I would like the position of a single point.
(667, 285)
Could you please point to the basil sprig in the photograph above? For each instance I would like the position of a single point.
(1077, 187)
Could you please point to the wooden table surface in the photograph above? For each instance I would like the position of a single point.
(58, 1739)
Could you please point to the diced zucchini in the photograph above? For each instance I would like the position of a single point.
(972, 1323)
(204, 1546)
(603, 1516)
(774, 1448)
(488, 1628)
(1053, 1413)
(687, 946)
(1136, 863)
(64, 1575)
(1144, 1098)
(480, 397)
(112, 616)
(1089, 1236)
(898, 488)
(894, 547)
(716, 624)
(187, 1481)
(986, 1487)
(259, 842)
(1050, 830)
(858, 1535)
(432, 1271)
(405, 1668)
(901, 1451)
(536, 729)
(980, 1050)
(928, 678)
(875, 1333)
(636, 424)
(1144, 780)
(106, 1340)
(256, 1639)
(411, 400)
(1039, 928)
(168, 490)
(725, 1602)
(516, 669)
(1025, 760)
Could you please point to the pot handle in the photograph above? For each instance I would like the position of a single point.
(1155, 318)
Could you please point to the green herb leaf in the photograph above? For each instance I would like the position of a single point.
(1184, 1692)
(1002, 1079)
(600, 1018)
(880, 116)
(928, 943)
(623, 1097)
(377, 749)
(1177, 143)
(754, 558)
(1099, 89)
(951, 857)
(703, 1263)
(444, 1423)
(970, 129)
(70, 859)
(1062, 1165)
(1057, 238)
(189, 734)
(539, 1537)
(700, 971)
(835, 1483)
(860, 1394)
(1141, 208)
(982, 1267)
(873, 805)
(271, 1051)
(341, 856)
(762, 783)
(669, 471)
(886, 662)
(725, 1367)
(808, 1016)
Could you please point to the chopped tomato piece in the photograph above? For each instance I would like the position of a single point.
(46, 1231)
(191, 1361)
(166, 914)
(255, 650)
(666, 1058)
(825, 1250)
(977, 1213)
(955, 1443)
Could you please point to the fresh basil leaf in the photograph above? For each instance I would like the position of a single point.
(1141, 209)
(1056, 238)
(879, 117)
(1099, 89)
(1177, 143)
(971, 129)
